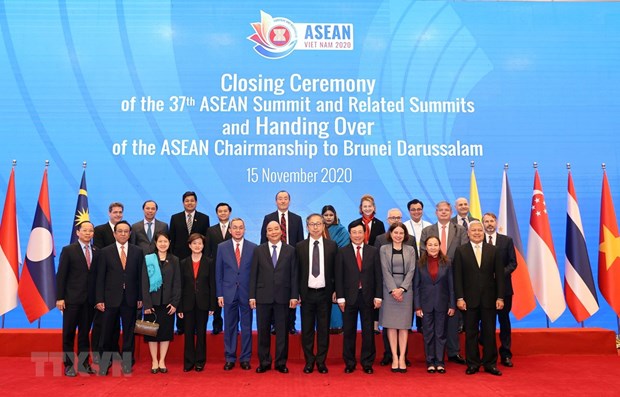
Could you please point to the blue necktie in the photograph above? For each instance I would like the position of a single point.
(149, 231)
(274, 255)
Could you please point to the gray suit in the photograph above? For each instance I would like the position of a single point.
(139, 237)
(395, 314)
(457, 236)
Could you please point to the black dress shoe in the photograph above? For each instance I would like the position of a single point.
(200, 367)
(431, 369)
(441, 370)
(457, 359)
(245, 365)
(163, 370)
(368, 370)
(471, 370)
(349, 369)
(229, 365)
(87, 369)
(308, 369)
(493, 371)
(70, 372)
(407, 362)
(386, 360)
(261, 369)
(187, 369)
(282, 369)
(292, 331)
(154, 370)
(216, 331)
(273, 330)
(322, 368)
(395, 370)
(507, 362)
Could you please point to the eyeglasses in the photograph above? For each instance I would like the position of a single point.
(315, 224)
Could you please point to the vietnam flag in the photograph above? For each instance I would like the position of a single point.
(609, 250)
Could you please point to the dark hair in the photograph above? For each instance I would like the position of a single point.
(492, 215)
(195, 236)
(357, 223)
(313, 215)
(159, 234)
(331, 208)
(79, 225)
(414, 201)
(283, 191)
(443, 259)
(150, 201)
(122, 222)
(223, 205)
(189, 193)
(394, 226)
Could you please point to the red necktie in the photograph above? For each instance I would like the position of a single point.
(358, 256)
(283, 227)
(444, 247)
(238, 255)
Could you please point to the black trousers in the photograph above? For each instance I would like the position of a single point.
(349, 320)
(315, 313)
(195, 350)
(111, 315)
(78, 316)
(505, 328)
(264, 313)
(480, 327)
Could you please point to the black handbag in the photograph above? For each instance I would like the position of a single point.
(148, 328)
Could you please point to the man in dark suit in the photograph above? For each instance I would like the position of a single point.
(274, 287)
(462, 216)
(104, 234)
(118, 294)
(292, 233)
(185, 223)
(394, 215)
(479, 292)
(359, 289)
(215, 235)
(451, 236)
(142, 232)
(506, 251)
(317, 258)
(232, 276)
(75, 297)
(182, 225)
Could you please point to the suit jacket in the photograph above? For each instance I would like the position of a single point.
(437, 295)
(277, 284)
(410, 259)
(295, 227)
(198, 292)
(104, 236)
(377, 228)
(330, 251)
(214, 238)
(506, 251)
(138, 235)
(348, 276)
(382, 240)
(478, 286)
(111, 277)
(170, 290)
(179, 234)
(457, 235)
(230, 277)
(75, 282)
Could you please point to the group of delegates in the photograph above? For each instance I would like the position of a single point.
(190, 270)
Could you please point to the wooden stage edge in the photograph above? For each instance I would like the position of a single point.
(561, 341)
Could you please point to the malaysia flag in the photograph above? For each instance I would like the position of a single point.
(578, 281)
(37, 285)
(541, 258)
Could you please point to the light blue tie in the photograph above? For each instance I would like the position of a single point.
(149, 231)
(274, 255)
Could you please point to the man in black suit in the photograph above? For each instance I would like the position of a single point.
(506, 251)
(182, 225)
(118, 294)
(274, 287)
(479, 292)
(75, 297)
(142, 232)
(104, 234)
(462, 216)
(292, 233)
(317, 258)
(359, 289)
(185, 223)
(215, 235)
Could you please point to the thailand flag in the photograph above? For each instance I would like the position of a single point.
(37, 284)
(578, 281)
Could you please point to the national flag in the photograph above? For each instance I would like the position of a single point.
(578, 280)
(81, 208)
(9, 250)
(609, 250)
(523, 301)
(541, 258)
(37, 286)
(474, 199)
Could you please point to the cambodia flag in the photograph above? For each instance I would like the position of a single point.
(609, 250)
(81, 208)
(578, 281)
(37, 285)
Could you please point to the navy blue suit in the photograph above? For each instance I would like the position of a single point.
(233, 284)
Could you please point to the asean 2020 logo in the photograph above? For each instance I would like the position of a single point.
(274, 37)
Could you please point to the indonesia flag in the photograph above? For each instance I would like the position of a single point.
(37, 286)
(523, 301)
(9, 250)
(578, 281)
(541, 259)
(609, 250)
